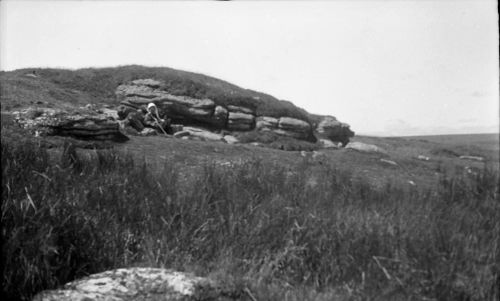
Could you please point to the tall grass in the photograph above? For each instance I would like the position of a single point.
(285, 234)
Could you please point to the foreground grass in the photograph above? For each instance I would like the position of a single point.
(276, 231)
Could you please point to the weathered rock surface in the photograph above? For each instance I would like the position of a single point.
(144, 284)
(113, 114)
(181, 134)
(285, 126)
(364, 147)
(231, 139)
(240, 109)
(294, 128)
(240, 118)
(266, 123)
(288, 123)
(240, 121)
(60, 123)
(329, 127)
(327, 143)
(203, 134)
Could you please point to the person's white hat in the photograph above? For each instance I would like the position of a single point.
(151, 105)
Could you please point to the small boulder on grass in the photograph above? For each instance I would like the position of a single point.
(231, 139)
(146, 284)
(364, 147)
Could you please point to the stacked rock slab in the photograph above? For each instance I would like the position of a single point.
(240, 118)
(266, 123)
(82, 126)
(285, 126)
(294, 128)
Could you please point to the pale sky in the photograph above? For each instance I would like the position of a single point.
(384, 67)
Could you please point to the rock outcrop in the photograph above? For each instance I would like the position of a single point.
(60, 123)
(329, 127)
(141, 92)
(205, 112)
(145, 284)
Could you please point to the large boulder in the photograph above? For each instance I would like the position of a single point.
(82, 126)
(329, 127)
(145, 284)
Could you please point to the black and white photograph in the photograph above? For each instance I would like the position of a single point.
(250, 150)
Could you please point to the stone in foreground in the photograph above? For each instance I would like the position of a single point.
(145, 284)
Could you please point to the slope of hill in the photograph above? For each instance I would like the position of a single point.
(60, 86)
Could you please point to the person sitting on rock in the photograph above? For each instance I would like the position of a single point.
(152, 119)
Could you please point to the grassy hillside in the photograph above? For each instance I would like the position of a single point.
(60, 86)
(261, 224)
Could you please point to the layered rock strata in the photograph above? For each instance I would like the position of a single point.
(81, 126)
